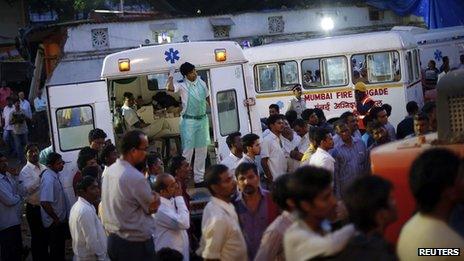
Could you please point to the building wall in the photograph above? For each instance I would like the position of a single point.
(247, 25)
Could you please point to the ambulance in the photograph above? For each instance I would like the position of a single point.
(77, 108)
(434, 44)
(328, 68)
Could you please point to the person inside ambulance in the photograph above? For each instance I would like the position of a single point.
(364, 102)
(132, 120)
(194, 125)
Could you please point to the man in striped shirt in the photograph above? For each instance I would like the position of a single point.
(351, 159)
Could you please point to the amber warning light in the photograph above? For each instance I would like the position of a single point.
(124, 65)
(221, 55)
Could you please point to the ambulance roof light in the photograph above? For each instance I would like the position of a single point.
(220, 55)
(124, 65)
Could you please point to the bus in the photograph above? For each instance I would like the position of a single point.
(77, 108)
(328, 68)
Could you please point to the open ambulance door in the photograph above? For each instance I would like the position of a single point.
(74, 110)
(229, 113)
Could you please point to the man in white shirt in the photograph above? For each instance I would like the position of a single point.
(290, 141)
(436, 182)
(311, 191)
(132, 120)
(301, 129)
(322, 158)
(273, 158)
(234, 143)
(172, 218)
(222, 237)
(30, 180)
(40, 117)
(88, 235)
(40, 104)
(7, 126)
(297, 104)
(194, 125)
(25, 105)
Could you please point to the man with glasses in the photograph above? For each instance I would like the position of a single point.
(297, 104)
(128, 202)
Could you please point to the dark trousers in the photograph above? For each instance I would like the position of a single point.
(121, 249)
(39, 239)
(11, 243)
(57, 235)
(20, 141)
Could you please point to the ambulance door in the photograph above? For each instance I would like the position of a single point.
(74, 110)
(229, 112)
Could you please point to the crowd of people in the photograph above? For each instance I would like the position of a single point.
(302, 190)
(21, 121)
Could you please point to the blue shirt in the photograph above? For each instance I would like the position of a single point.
(10, 202)
(51, 190)
(351, 161)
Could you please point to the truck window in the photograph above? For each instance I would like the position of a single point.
(324, 72)
(74, 124)
(274, 77)
(228, 112)
(376, 67)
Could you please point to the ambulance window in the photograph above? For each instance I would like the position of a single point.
(325, 72)
(415, 65)
(228, 112)
(279, 76)
(74, 124)
(409, 60)
(383, 67)
(157, 81)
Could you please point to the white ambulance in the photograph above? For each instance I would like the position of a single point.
(434, 44)
(77, 108)
(327, 69)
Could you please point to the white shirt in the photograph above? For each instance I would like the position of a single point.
(271, 148)
(302, 243)
(423, 231)
(297, 105)
(171, 225)
(231, 162)
(222, 236)
(441, 75)
(7, 117)
(323, 159)
(288, 146)
(26, 107)
(303, 145)
(130, 116)
(181, 87)
(88, 236)
(30, 179)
